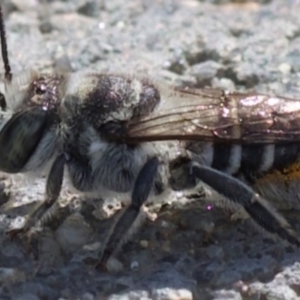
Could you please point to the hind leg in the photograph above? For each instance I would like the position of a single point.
(256, 206)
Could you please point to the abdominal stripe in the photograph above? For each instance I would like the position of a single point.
(233, 159)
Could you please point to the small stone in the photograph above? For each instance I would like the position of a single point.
(223, 83)
(139, 294)
(242, 287)
(92, 247)
(113, 265)
(25, 5)
(134, 265)
(45, 27)
(280, 293)
(18, 223)
(227, 294)
(88, 296)
(73, 234)
(144, 243)
(285, 68)
(172, 294)
(88, 9)
(206, 71)
(9, 276)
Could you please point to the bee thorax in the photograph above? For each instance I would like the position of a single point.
(101, 165)
(102, 98)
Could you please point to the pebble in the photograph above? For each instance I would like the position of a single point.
(206, 71)
(89, 9)
(227, 295)
(132, 295)
(46, 27)
(280, 293)
(223, 83)
(285, 68)
(113, 265)
(73, 234)
(144, 243)
(172, 294)
(10, 275)
(24, 5)
(88, 296)
(134, 265)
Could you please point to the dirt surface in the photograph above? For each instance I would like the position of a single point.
(189, 252)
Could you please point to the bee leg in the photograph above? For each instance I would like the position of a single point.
(141, 190)
(256, 206)
(43, 211)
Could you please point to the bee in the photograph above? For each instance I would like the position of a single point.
(120, 136)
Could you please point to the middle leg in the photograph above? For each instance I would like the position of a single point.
(143, 186)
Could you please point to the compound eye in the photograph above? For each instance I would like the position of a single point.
(2, 102)
(19, 139)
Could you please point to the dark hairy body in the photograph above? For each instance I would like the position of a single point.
(108, 134)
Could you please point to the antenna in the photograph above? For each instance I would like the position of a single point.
(8, 74)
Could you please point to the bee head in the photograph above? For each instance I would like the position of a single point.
(24, 114)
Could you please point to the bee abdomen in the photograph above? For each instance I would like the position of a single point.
(285, 155)
(250, 160)
(258, 160)
(233, 159)
(227, 158)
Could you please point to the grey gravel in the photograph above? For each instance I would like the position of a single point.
(188, 252)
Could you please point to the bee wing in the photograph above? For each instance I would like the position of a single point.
(219, 116)
(19, 138)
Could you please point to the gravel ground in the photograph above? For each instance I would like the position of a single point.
(188, 252)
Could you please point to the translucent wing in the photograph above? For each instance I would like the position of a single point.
(219, 116)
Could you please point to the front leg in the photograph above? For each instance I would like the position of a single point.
(43, 211)
(256, 206)
(143, 186)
